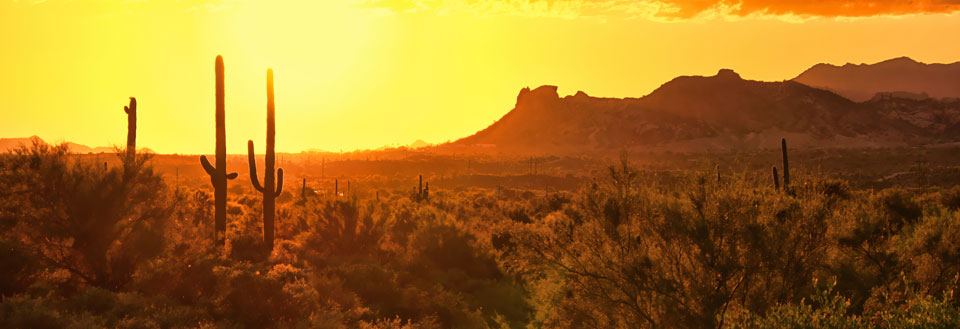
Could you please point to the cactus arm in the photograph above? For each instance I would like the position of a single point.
(133, 105)
(232, 175)
(207, 166)
(253, 167)
(279, 181)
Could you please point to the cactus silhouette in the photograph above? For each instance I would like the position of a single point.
(303, 189)
(269, 191)
(776, 179)
(218, 174)
(426, 192)
(131, 129)
(786, 165)
(718, 173)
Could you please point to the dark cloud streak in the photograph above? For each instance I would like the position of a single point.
(821, 8)
(678, 9)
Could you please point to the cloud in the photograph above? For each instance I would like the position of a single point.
(673, 9)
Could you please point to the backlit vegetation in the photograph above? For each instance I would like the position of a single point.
(86, 245)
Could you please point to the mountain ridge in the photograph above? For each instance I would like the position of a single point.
(697, 113)
(861, 82)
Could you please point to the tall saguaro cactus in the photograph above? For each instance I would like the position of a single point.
(269, 191)
(786, 165)
(131, 129)
(218, 174)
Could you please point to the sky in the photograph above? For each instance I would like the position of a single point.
(363, 74)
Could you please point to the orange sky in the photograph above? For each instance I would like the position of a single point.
(369, 73)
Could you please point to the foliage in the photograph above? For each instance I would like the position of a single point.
(83, 245)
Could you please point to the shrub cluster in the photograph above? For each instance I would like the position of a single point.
(84, 245)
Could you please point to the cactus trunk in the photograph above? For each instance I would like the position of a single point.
(131, 129)
(786, 165)
(269, 189)
(218, 173)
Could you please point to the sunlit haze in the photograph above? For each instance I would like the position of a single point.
(366, 74)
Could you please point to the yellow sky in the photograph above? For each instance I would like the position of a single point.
(364, 74)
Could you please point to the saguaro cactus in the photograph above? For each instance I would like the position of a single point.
(786, 165)
(303, 189)
(269, 191)
(131, 129)
(218, 174)
(718, 173)
(776, 179)
(420, 189)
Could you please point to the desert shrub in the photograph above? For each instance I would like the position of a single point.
(25, 312)
(900, 206)
(257, 300)
(834, 189)
(828, 309)
(98, 223)
(633, 255)
(18, 270)
(825, 309)
(950, 198)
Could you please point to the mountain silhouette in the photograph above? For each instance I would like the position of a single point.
(724, 111)
(10, 144)
(861, 82)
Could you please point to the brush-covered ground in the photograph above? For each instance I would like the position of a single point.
(88, 245)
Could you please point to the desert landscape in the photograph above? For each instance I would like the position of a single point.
(823, 197)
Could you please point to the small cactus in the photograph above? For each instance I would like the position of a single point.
(718, 173)
(303, 190)
(270, 189)
(218, 174)
(426, 192)
(421, 192)
(786, 165)
(776, 179)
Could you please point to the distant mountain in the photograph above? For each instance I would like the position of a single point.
(83, 149)
(418, 144)
(860, 82)
(9, 144)
(695, 113)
